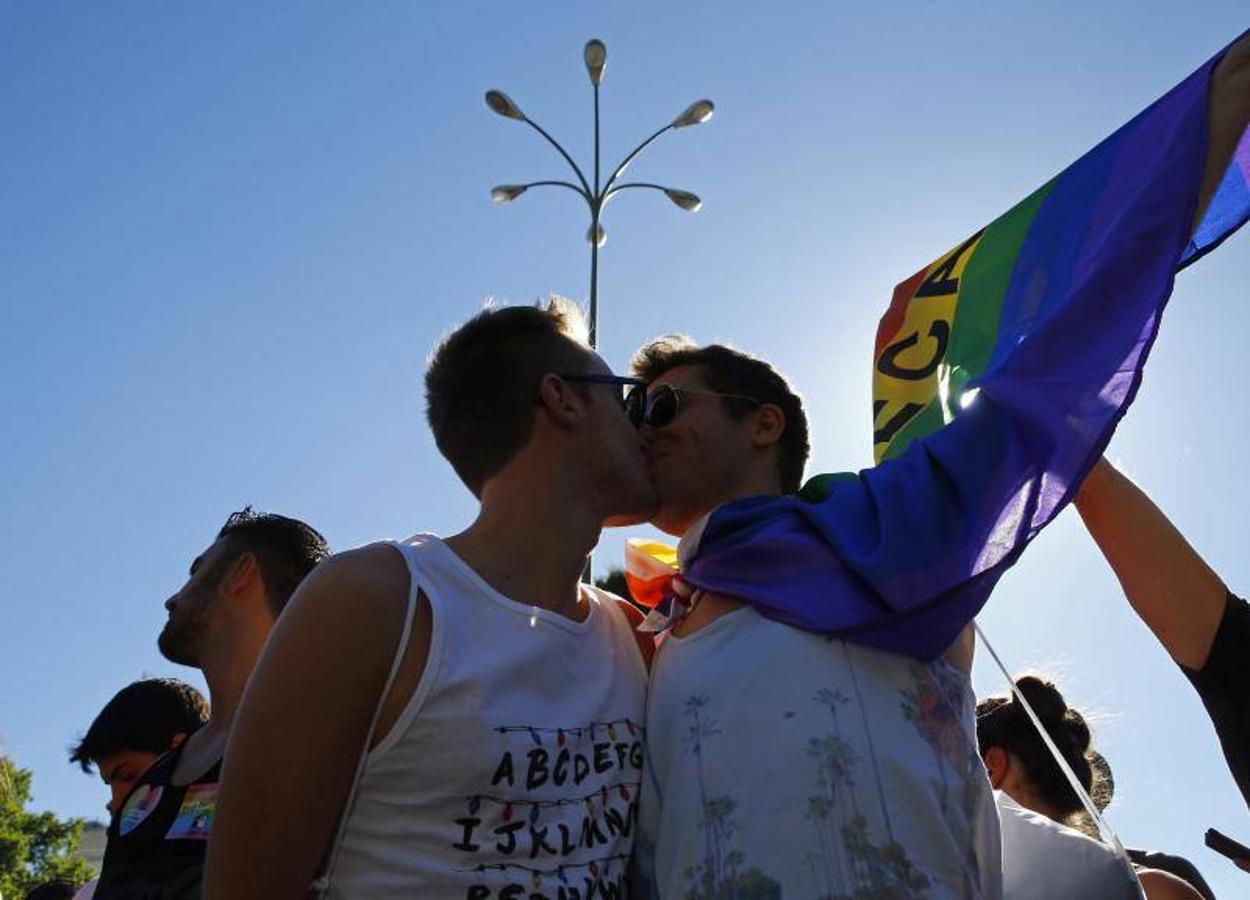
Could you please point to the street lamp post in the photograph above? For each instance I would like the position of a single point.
(596, 194)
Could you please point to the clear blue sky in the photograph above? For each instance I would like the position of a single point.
(230, 236)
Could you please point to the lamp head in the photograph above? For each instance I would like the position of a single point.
(686, 200)
(595, 54)
(695, 114)
(503, 105)
(506, 193)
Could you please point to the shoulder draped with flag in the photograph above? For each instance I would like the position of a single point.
(1000, 373)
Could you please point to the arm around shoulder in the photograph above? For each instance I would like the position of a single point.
(303, 724)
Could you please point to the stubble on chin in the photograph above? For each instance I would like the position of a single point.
(643, 513)
(641, 508)
(672, 515)
(175, 644)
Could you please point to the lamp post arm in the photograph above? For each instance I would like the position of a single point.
(553, 142)
(630, 158)
(635, 184)
(564, 184)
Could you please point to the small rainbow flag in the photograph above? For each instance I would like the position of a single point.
(649, 570)
(1001, 371)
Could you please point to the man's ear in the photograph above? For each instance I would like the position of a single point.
(560, 401)
(997, 762)
(770, 424)
(244, 571)
(176, 741)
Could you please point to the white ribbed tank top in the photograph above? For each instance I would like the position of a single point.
(514, 769)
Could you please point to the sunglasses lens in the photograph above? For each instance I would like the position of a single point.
(661, 406)
(635, 404)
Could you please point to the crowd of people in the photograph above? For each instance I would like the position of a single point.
(462, 716)
(472, 718)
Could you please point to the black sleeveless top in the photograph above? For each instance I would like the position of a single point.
(1222, 686)
(157, 840)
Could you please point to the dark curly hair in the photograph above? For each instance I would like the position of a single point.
(144, 715)
(286, 550)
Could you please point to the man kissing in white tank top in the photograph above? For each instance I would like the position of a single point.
(459, 717)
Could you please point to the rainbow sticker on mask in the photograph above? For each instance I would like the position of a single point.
(139, 806)
(195, 816)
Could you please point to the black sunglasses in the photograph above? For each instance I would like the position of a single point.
(659, 407)
(635, 386)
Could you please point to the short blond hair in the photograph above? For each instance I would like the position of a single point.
(482, 381)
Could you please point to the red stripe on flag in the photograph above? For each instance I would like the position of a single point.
(647, 592)
(892, 321)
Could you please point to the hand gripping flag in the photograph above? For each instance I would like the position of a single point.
(1001, 371)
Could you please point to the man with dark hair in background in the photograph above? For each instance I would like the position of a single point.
(467, 711)
(142, 722)
(218, 623)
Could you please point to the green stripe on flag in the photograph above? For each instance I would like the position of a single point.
(974, 332)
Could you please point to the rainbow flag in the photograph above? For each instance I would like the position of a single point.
(1001, 371)
(649, 569)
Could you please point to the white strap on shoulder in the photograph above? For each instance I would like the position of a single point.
(321, 885)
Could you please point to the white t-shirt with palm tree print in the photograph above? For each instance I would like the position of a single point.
(786, 764)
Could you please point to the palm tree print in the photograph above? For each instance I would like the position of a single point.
(935, 707)
(849, 864)
(886, 873)
(719, 876)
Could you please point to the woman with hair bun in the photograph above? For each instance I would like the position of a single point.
(1047, 848)
(1021, 765)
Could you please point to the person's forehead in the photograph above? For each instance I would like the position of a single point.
(595, 364)
(110, 763)
(683, 376)
(209, 554)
